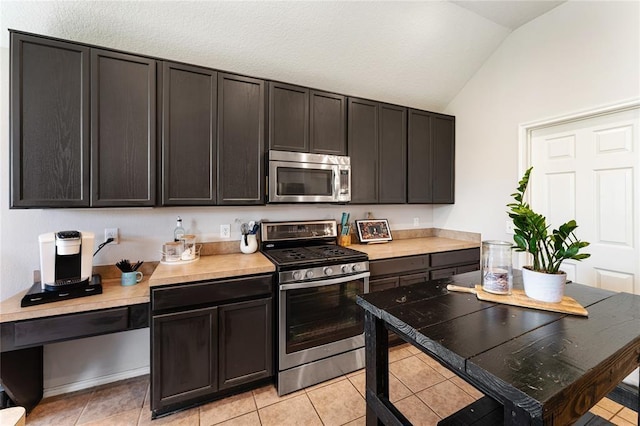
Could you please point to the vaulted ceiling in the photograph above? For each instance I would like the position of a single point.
(418, 54)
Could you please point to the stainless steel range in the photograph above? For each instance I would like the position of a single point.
(320, 327)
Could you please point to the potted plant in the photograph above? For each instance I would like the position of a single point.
(543, 280)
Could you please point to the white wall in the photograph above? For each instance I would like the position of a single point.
(578, 56)
(236, 40)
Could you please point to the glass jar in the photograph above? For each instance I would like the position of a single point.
(189, 249)
(497, 271)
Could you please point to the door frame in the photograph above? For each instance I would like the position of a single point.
(525, 131)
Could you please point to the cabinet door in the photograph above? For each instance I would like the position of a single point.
(246, 348)
(184, 362)
(419, 167)
(327, 121)
(123, 129)
(288, 117)
(363, 150)
(392, 173)
(241, 115)
(49, 123)
(443, 145)
(189, 102)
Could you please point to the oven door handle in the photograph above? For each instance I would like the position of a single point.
(322, 283)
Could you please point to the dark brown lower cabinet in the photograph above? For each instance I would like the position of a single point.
(201, 353)
(184, 356)
(245, 342)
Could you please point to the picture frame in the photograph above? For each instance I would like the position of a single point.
(373, 230)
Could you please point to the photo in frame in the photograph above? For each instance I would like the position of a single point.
(373, 230)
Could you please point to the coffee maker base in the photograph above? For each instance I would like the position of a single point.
(37, 296)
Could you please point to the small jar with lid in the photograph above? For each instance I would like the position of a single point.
(496, 267)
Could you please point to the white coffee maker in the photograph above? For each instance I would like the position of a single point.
(66, 259)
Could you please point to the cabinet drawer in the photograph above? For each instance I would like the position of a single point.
(207, 293)
(56, 329)
(414, 278)
(455, 257)
(467, 268)
(383, 284)
(399, 265)
(442, 273)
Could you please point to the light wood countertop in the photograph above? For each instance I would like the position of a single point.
(113, 295)
(211, 268)
(412, 247)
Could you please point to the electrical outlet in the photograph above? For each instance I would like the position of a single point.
(416, 222)
(509, 227)
(225, 231)
(111, 233)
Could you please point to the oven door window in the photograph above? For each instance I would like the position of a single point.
(300, 181)
(320, 315)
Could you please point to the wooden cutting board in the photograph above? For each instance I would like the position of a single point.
(567, 305)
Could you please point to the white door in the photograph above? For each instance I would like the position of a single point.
(588, 169)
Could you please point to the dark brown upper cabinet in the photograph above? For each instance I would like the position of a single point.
(419, 182)
(123, 129)
(443, 128)
(327, 123)
(392, 154)
(49, 123)
(241, 134)
(377, 147)
(431, 159)
(306, 120)
(288, 117)
(189, 149)
(363, 150)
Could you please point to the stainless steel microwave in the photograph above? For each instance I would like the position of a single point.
(299, 177)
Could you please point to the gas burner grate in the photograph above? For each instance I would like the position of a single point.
(313, 255)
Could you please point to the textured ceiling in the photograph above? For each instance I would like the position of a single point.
(412, 53)
(509, 13)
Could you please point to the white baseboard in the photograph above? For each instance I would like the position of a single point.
(96, 381)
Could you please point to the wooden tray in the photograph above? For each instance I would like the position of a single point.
(567, 305)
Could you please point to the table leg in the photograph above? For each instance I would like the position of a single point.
(514, 415)
(377, 363)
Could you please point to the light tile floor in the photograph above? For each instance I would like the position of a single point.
(421, 389)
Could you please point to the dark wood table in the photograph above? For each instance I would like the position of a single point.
(534, 367)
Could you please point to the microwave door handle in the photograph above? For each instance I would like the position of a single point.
(336, 182)
(322, 283)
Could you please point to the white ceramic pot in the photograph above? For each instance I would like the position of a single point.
(543, 287)
(248, 244)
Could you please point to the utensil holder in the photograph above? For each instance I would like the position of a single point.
(248, 244)
(343, 240)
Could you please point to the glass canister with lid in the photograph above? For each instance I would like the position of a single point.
(497, 270)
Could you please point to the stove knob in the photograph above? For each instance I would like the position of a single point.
(328, 271)
(345, 269)
(356, 267)
(297, 275)
(309, 274)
